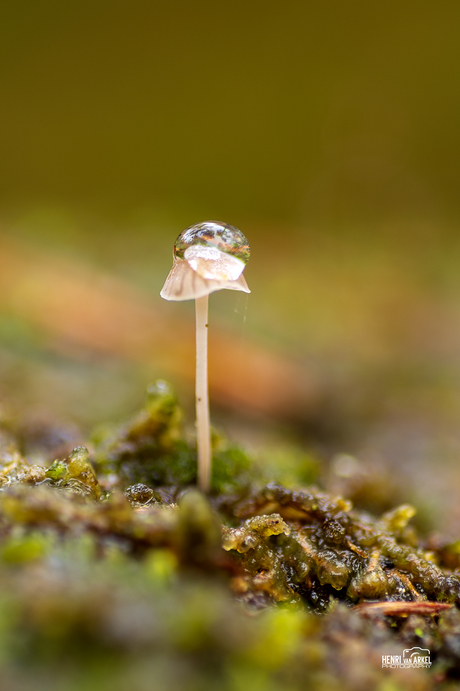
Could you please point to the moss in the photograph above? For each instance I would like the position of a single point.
(330, 544)
(20, 548)
(151, 450)
(115, 571)
(148, 449)
(231, 470)
(75, 473)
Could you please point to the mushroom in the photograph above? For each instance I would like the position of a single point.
(208, 256)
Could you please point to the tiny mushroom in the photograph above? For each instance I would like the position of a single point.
(208, 256)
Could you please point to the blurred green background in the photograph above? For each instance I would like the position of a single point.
(328, 132)
(304, 113)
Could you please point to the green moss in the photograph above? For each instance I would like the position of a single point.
(58, 471)
(151, 450)
(19, 549)
(119, 573)
(148, 448)
(231, 470)
(75, 473)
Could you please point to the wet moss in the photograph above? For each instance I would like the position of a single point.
(329, 542)
(115, 570)
(75, 473)
(150, 449)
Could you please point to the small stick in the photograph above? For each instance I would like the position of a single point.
(201, 391)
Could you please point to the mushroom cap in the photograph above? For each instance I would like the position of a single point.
(208, 256)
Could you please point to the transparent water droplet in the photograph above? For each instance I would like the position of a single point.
(213, 264)
(208, 256)
(213, 234)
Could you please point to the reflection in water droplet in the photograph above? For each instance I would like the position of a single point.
(208, 256)
(214, 234)
(213, 264)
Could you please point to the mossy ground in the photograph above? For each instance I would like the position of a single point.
(116, 573)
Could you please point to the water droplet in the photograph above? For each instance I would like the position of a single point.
(213, 234)
(208, 256)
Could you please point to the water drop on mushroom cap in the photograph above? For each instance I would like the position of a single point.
(213, 234)
(208, 256)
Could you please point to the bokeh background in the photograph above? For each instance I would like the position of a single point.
(329, 133)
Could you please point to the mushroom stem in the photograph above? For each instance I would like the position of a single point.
(201, 390)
